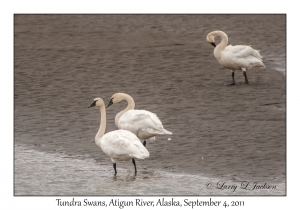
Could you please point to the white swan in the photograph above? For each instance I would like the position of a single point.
(119, 144)
(142, 123)
(238, 57)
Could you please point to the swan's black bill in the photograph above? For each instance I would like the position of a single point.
(92, 104)
(213, 44)
(110, 103)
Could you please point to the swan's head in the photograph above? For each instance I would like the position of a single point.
(116, 98)
(97, 102)
(210, 38)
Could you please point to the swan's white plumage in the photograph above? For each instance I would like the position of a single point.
(144, 124)
(122, 145)
(238, 57)
(119, 144)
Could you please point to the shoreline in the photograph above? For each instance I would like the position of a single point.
(88, 168)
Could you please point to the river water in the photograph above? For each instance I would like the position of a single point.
(66, 175)
(224, 138)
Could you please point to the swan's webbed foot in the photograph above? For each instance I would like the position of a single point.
(133, 161)
(115, 167)
(144, 143)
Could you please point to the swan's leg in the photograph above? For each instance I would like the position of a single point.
(246, 80)
(233, 81)
(232, 74)
(133, 161)
(245, 74)
(115, 167)
(144, 143)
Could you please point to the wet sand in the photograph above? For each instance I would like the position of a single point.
(62, 62)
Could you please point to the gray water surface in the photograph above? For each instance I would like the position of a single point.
(49, 174)
(227, 133)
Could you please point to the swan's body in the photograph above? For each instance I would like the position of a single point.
(122, 145)
(119, 144)
(144, 124)
(238, 57)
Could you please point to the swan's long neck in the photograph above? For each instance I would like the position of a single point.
(224, 40)
(130, 106)
(102, 127)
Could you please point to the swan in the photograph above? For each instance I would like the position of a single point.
(238, 57)
(142, 123)
(119, 144)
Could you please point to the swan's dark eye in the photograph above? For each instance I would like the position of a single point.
(110, 102)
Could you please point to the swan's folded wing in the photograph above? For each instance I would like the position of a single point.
(122, 143)
(242, 51)
(140, 119)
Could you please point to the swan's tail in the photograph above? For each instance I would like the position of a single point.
(257, 55)
(167, 132)
(260, 64)
(161, 131)
(257, 59)
(144, 153)
(257, 63)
